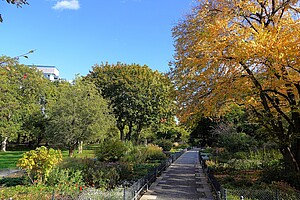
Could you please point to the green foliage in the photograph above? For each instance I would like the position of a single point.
(13, 181)
(79, 114)
(9, 159)
(40, 191)
(154, 152)
(277, 173)
(21, 89)
(39, 163)
(166, 145)
(135, 154)
(111, 151)
(65, 179)
(100, 174)
(170, 130)
(201, 132)
(235, 142)
(140, 97)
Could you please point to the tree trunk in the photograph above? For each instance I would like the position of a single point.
(4, 143)
(296, 149)
(71, 152)
(121, 134)
(121, 126)
(80, 148)
(128, 135)
(290, 161)
(19, 138)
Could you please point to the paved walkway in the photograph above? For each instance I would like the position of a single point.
(183, 180)
(8, 172)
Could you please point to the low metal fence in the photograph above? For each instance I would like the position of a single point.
(244, 194)
(230, 194)
(135, 191)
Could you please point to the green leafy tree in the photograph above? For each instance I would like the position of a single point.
(111, 151)
(21, 90)
(170, 130)
(80, 114)
(201, 132)
(35, 122)
(139, 96)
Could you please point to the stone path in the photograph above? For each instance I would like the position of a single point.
(183, 180)
(8, 172)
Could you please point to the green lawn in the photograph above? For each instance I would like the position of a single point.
(9, 159)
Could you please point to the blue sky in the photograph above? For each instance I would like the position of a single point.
(73, 35)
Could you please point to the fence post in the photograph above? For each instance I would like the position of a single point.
(276, 195)
(53, 195)
(219, 194)
(124, 193)
(225, 194)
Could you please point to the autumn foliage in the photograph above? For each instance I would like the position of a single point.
(246, 52)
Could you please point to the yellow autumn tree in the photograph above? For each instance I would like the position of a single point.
(246, 52)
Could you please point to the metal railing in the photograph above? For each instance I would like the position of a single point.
(244, 194)
(135, 191)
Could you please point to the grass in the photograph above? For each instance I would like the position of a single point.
(9, 159)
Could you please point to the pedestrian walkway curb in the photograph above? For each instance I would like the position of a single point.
(203, 186)
(183, 180)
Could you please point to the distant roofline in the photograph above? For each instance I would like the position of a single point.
(43, 66)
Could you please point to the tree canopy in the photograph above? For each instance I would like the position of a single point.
(80, 114)
(139, 96)
(245, 52)
(21, 89)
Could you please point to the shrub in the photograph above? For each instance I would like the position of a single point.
(166, 145)
(14, 181)
(134, 154)
(111, 151)
(277, 173)
(154, 152)
(39, 191)
(235, 142)
(100, 174)
(38, 163)
(65, 179)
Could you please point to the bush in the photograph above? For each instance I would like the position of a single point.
(235, 142)
(111, 151)
(38, 163)
(276, 173)
(166, 145)
(39, 191)
(134, 154)
(65, 179)
(9, 182)
(154, 152)
(100, 175)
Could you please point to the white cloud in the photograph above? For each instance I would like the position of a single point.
(67, 4)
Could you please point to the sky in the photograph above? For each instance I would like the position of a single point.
(74, 35)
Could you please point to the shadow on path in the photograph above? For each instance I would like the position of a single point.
(183, 180)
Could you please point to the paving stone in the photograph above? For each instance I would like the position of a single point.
(183, 180)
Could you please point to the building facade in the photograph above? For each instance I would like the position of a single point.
(50, 72)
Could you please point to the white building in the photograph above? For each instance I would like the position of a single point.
(50, 72)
